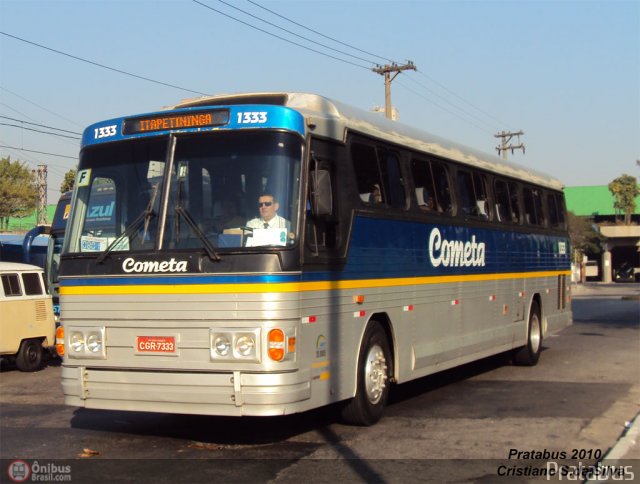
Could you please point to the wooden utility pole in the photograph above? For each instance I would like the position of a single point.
(386, 71)
(506, 139)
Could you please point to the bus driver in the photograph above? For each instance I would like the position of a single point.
(269, 219)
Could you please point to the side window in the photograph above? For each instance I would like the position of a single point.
(432, 186)
(32, 284)
(506, 199)
(555, 204)
(378, 176)
(323, 228)
(365, 166)
(515, 202)
(393, 184)
(533, 211)
(472, 194)
(11, 285)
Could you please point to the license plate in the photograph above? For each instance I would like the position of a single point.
(156, 344)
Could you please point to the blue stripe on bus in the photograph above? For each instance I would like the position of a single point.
(387, 249)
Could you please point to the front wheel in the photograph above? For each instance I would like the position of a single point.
(29, 357)
(529, 354)
(372, 392)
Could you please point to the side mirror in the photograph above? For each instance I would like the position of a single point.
(321, 195)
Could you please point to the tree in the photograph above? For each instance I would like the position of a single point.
(18, 193)
(69, 180)
(585, 239)
(625, 190)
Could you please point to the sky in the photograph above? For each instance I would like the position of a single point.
(566, 73)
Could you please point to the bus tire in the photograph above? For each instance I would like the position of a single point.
(29, 357)
(529, 354)
(372, 392)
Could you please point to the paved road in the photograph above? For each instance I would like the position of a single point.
(457, 426)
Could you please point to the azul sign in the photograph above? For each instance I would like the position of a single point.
(455, 253)
(172, 265)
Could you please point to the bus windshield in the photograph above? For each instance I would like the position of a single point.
(225, 190)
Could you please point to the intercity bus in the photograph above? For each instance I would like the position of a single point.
(402, 255)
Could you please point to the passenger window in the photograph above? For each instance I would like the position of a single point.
(506, 198)
(11, 285)
(431, 181)
(555, 204)
(378, 176)
(534, 214)
(472, 191)
(32, 285)
(365, 165)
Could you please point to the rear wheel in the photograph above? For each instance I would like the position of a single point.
(374, 362)
(29, 357)
(529, 354)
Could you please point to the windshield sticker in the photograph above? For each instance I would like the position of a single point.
(89, 243)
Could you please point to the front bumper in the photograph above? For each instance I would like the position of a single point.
(227, 394)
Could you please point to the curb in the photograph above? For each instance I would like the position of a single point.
(623, 448)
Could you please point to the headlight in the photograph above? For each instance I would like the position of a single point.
(94, 343)
(234, 344)
(222, 345)
(86, 342)
(76, 342)
(245, 345)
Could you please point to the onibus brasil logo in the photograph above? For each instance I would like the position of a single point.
(21, 471)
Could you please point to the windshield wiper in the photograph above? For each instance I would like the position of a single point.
(211, 252)
(146, 215)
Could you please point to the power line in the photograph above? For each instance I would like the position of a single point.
(38, 130)
(39, 152)
(37, 105)
(40, 125)
(461, 98)
(279, 37)
(319, 33)
(449, 91)
(443, 108)
(120, 71)
(293, 33)
(450, 103)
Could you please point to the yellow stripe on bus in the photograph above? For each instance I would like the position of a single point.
(294, 286)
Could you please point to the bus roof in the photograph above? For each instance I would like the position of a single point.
(333, 119)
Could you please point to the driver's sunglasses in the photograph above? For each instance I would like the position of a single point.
(264, 204)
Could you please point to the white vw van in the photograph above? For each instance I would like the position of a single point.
(27, 325)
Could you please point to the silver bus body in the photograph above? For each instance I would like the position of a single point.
(141, 330)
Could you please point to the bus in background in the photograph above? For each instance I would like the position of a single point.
(30, 248)
(275, 252)
(100, 214)
(56, 238)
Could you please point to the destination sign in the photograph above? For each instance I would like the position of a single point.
(163, 122)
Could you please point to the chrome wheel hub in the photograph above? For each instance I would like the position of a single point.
(375, 374)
